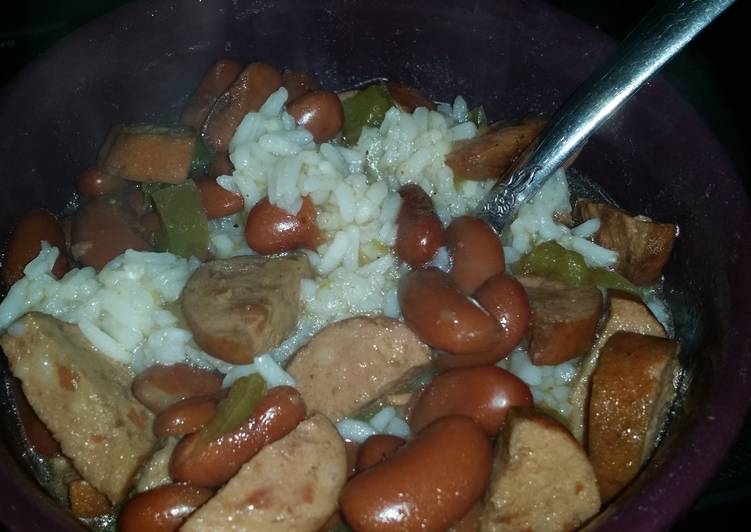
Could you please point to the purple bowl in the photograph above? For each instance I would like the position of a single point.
(140, 63)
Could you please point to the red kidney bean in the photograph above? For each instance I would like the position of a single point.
(218, 201)
(103, 229)
(210, 464)
(94, 182)
(419, 230)
(270, 229)
(298, 83)
(318, 111)
(220, 165)
(215, 81)
(451, 457)
(184, 417)
(483, 393)
(376, 449)
(162, 509)
(26, 242)
(408, 98)
(506, 300)
(443, 316)
(161, 386)
(249, 91)
(476, 250)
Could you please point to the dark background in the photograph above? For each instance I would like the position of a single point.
(709, 73)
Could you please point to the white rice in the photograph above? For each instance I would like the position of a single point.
(128, 310)
(385, 421)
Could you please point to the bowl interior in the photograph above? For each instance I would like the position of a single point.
(514, 57)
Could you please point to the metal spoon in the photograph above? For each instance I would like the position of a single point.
(667, 28)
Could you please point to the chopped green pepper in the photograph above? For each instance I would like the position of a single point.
(610, 279)
(202, 156)
(478, 116)
(185, 230)
(365, 109)
(553, 261)
(244, 396)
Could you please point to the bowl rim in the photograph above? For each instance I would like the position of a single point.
(654, 507)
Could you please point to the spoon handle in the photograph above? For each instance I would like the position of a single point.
(658, 37)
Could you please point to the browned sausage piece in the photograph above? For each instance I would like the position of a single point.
(84, 399)
(489, 155)
(149, 153)
(211, 463)
(426, 485)
(351, 362)
(643, 245)
(289, 486)
(250, 90)
(86, 501)
(244, 306)
(625, 312)
(408, 98)
(161, 386)
(632, 388)
(215, 81)
(102, 230)
(564, 320)
(542, 479)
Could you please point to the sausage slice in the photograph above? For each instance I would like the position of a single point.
(632, 388)
(290, 485)
(564, 320)
(625, 312)
(244, 306)
(643, 245)
(84, 399)
(542, 479)
(489, 155)
(351, 362)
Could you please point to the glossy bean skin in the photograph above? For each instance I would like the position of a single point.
(408, 98)
(211, 464)
(103, 229)
(318, 111)
(217, 201)
(220, 165)
(215, 81)
(161, 386)
(451, 457)
(442, 316)
(93, 183)
(298, 83)
(162, 509)
(419, 230)
(24, 244)
(184, 417)
(247, 93)
(445, 361)
(476, 250)
(270, 229)
(376, 449)
(483, 393)
(506, 300)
